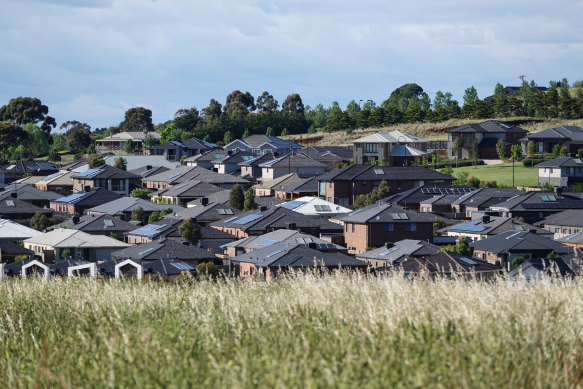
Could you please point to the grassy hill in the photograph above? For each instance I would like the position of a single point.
(502, 174)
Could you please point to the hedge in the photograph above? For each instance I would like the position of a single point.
(534, 161)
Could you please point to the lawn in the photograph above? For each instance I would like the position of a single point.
(502, 174)
(308, 331)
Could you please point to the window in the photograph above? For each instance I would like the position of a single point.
(117, 185)
(371, 147)
(322, 188)
(346, 227)
(389, 227)
(411, 227)
(352, 227)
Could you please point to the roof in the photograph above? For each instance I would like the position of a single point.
(570, 218)
(390, 137)
(539, 201)
(297, 255)
(195, 143)
(209, 213)
(168, 227)
(134, 161)
(27, 193)
(257, 160)
(182, 174)
(208, 156)
(306, 185)
(489, 126)
(21, 167)
(313, 206)
(384, 213)
(95, 196)
(494, 225)
(11, 206)
(61, 178)
(279, 182)
(328, 153)
(258, 140)
(295, 160)
(10, 230)
(11, 248)
(148, 170)
(519, 241)
(547, 266)
(400, 250)
(128, 204)
(484, 197)
(105, 172)
(67, 238)
(379, 173)
(406, 151)
(163, 249)
(134, 135)
(235, 158)
(564, 133)
(447, 263)
(561, 162)
(189, 189)
(75, 164)
(95, 223)
(283, 236)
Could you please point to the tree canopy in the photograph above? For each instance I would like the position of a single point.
(22, 110)
(137, 119)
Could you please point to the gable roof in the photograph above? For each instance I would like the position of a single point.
(195, 143)
(21, 167)
(191, 188)
(564, 133)
(105, 172)
(61, 178)
(384, 213)
(148, 170)
(128, 204)
(279, 182)
(519, 241)
(494, 225)
(257, 160)
(95, 196)
(540, 201)
(15, 207)
(548, 266)
(235, 158)
(561, 162)
(94, 223)
(446, 263)
(312, 206)
(27, 193)
(258, 140)
(328, 153)
(306, 185)
(489, 126)
(163, 249)
(10, 230)
(390, 137)
(380, 173)
(209, 213)
(182, 174)
(283, 236)
(398, 251)
(293, 160)
(67, 238)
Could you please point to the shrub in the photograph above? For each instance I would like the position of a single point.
(473, 181)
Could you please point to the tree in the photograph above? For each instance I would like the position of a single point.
(140, 193)
(236, 197)
(470, 96)
(208, 270)
(170, 132)
(447, 170)
(186, 119)
(78, 134)
(154, 217)
(518, 260)
(456, 148)
(239, 104)
(438, 224)
(228, 138)
(463, 247)
(10, 134)
(473, 181)
(138, 119)
(39, 221)
(293, 104)
(150, 141)
(516, 151)
(530, 149)
(190, 231)
(401, 96)
(22, 110)
(37, 142)
(338, 121)
(556, 150)
(462, 179)
(378, 193)
(130, 146)
(96, 161)
(249, 203)
(266, 103)
(474, 151)
(564, 151)
(213, 111)
(139, 215)
(120, 163)
(501, 149)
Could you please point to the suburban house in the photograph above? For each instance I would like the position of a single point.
(540, 268)
(133, 161)
(183, 193)
(15, 232)
(272, 261)
(545, 141)
(10, 250)
(149, 170)
(449, 265)
(15, 170)
(378, 223)
(560, 172)
(182, 174)
(117, 142)
(250, 167)
(230, 163)
(315, 206)
(482, 199)
(28, 194)
(207, 212)
(123, 207)
(108, 177)
(332, 156)
(166, 269)
(20, 211)
(62, 243)
(222, 197)
(486, 134)
(206, 158)
(60, 182)
(437, 198)
(344, 185)
(501, 249)
(396, 252)
(165, 249)
(534, 206)
(291, 163)
(263, 144)
(269, 187)
(78, 203)
(302, 188)
(564, 223)
(261, 221)
(174, 150)
(97, 225)
(395, 148)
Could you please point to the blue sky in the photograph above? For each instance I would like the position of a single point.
(91, 60)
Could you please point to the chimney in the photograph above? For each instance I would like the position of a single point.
(312, 245)
(186, 243)
(388, 245)
(14, 195)
(291, 226)
(76, 218)
(558, 190)
(204, 201)
(262, 208)
(485, 218)
(148, 167)
(87, 188)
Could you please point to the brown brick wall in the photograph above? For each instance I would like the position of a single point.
(374, 234)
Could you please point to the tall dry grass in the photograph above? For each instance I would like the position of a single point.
(304, 331)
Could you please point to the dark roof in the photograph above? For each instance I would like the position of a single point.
(297, 255)
(168, 267)
(422, 194)
(561, 162)
(105, 172)
(384, 213)
(235, 158)
(519, 242)
(400, 250)
(21, 167)
(486, 196)
(166, 228)
(75, 164)
(169, 145)
(258, 160)
(552, 266)
(489, 126)
(284, 236)
(294, 160)
(209, 155)
(163, 249)
(146, 171)
(571, 218)
(182, 174)
(11, 248)
(564, 133)
(195, 143)
(257, 140)
(191, 188)
(94, 197)
(379, 173)
(306, 185)
(94, 223)
(327, 153)
(207, 214)
(446, 263)
(494, 225)
(11, 206)
(28, 193)
(540, 201)
(128, 204)
(61, 268)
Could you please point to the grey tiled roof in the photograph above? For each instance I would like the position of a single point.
(519, 241)
(489, 126)
(447, 263)
(163, 249)
(128, 204)
(93, 223)
(400, 250)
(562, 162)
(383, 213)
(565, 133)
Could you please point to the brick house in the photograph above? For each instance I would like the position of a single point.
(291, 163)
(182, 174)
(376, 224)
(546, 140)
(108, 177)
(481, 200)
(78, 203)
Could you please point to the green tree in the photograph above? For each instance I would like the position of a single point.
(228, 138)
(150, 141)
(556, 150)
(208, 270)
(37, 142)
(78, 135)
(213, 111)
(140, 193)
(473, 181)
(190, 231)
(516, 151)
(474, 151)
(462, 179)
(518, 260)
(138, 119)
(378, 193)
(130, 146)
(154, 217)
(239, 104)
(186, 119)
(266, 103)
(438, 224)
(249, 202)
(501, 149)
(120, 163)
(447, 170)
(22, 110)
(10, 134)
(139, 215)
(401, 96)
(564, 151)
(530, 149)
(39, 221)
(463, 247)
(293, 104)
(96, 161)
(456, 147)
(170, 132)
(236, 197)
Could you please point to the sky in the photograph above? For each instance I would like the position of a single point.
(91, 60)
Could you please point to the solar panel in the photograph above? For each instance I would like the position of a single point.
(230, 219)
(271, 162)
(322, 208)
(69, 199)
(218, 156)
(89, 173)
(513, 235)
(469, 261)
(267, 242)
(355, 212)
(573, 236)
(179, 186)
(379, 171)
(47, 178)
(146, 251)
(225, 211)
(292, 204)
(273, 253)
(182, 266)
(174, 175)
(389, 251)
(248, 219)
(304, 240)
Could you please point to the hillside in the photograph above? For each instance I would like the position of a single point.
(429, 131)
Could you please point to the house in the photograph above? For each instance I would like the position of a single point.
(378, 223)
(272, 261)
(344, 185)
(62, 268)
(332, 156)
(482, 199)
(206, 213)
(20, 211)
(540, 268)
(62, 243)
(78, 203)
(263, 144)
(60, 182)
(546, 140)
(182, 174)
(28, 194)
(302, 188)
(487, 226)
(183, 193)
(108, 177)
(10, 250)
(167, 269)
(501, 249)
(96, 224)
(230, 163)
(15, 170)
(315, 206)
(437, 198)
(251, 167)
(223, 196)
(486, 135)
(282, 236)
(149, 170)
(396, 148)
(206, 158)
(563, 224)
(269, 187)
(117, 142)
(291, 163)
(449, 265)
(560, 172)
(260, 221)
(534, 206)
(574, 240)
(165, 249)
(174, 150)
(15, 232)
(123, 207)
(398, 252)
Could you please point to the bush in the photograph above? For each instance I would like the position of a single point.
(534, 161)
(473, 181)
